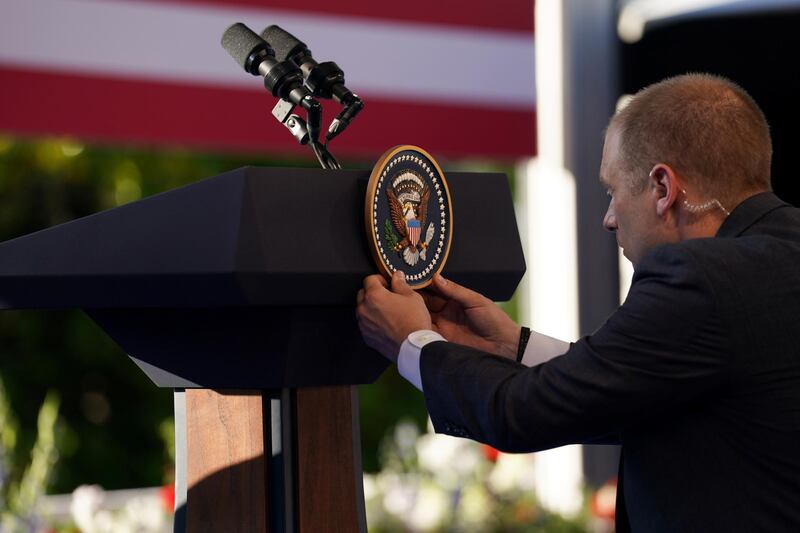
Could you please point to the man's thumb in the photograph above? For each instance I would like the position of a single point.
(399, 285)
(454, 291)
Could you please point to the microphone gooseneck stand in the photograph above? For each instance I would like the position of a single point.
(295, 78)
(324, 80)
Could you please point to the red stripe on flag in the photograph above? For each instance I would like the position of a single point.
(515, 15)
(413, 234)
(115, 110)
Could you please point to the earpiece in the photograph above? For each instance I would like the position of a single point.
(700, 208)
(693, 208)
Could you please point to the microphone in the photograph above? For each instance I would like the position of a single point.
(282, 78)
(325, 80)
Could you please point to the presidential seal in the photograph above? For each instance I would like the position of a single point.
(408, 215)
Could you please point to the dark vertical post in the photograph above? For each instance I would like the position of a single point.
(329, 485)
(592, 85)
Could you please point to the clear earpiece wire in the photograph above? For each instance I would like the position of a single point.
(701, 208)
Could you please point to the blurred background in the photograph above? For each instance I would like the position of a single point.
(106, 102)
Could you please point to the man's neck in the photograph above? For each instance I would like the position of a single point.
(707, 226)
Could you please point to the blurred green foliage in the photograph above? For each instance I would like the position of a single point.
(20, 495)
(113, 417)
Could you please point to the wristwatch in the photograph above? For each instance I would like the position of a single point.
(524, 336)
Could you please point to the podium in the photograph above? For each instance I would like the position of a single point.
(238, 292)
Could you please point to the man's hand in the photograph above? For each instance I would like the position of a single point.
(387, 316)
(465, 317)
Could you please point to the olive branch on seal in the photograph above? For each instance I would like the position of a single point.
(389, 235)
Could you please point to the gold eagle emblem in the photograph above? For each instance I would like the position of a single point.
(408, 204)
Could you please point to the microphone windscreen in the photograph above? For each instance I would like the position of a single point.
(241, 42)
(285, 44)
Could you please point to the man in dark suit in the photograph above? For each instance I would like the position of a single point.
(697, 374)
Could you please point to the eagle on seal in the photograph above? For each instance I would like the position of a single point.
(408, 220)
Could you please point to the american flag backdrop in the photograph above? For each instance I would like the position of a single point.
(453, 77)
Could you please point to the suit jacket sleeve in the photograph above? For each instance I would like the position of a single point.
(662, 350)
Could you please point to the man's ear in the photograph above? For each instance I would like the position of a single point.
(666, 186)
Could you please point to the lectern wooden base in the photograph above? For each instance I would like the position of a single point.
(226, 466)
(240, 474)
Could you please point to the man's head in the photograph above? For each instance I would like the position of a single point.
(698, 133)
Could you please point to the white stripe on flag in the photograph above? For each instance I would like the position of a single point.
(180, 42)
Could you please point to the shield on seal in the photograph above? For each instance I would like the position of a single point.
(414, 230)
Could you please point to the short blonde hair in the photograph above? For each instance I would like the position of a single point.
(705, 127)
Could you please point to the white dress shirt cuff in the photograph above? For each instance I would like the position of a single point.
(410, 350)
(542, 348)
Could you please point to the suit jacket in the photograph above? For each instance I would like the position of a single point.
(697, 374)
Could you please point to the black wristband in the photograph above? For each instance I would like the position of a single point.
(524, 335)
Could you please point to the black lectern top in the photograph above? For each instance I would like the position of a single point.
(253, 236)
